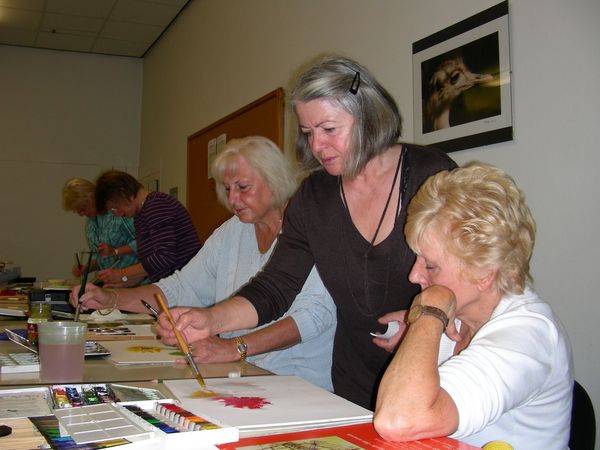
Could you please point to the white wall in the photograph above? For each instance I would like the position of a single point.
(222, 54)
(62, 115)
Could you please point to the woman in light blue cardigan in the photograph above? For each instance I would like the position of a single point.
(255, 181)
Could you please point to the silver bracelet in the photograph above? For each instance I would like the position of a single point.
(114, 305)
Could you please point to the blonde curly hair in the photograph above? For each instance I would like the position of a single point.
(76, 194)
(486, 220)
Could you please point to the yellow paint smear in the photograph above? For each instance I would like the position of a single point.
(203, 394)
(144, 349)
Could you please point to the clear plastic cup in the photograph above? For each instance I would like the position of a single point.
(62, 351)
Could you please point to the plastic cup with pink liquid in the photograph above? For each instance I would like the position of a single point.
(62, 351)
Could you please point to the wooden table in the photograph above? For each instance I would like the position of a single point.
(100, 370)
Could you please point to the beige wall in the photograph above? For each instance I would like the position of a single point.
(222, 54)
(62, 115)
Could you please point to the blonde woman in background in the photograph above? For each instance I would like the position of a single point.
(110, 238)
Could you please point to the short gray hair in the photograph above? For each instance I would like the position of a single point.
(342, 81)
(266, 158)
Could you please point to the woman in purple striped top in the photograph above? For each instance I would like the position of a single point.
(165, 234)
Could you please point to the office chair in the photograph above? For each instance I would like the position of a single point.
(583, 420)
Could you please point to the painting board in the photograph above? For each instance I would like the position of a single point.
(268, 404)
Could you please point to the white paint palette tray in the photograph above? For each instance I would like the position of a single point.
(141, 422)
(103, 422)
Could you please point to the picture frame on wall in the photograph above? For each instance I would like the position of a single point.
(462, 83)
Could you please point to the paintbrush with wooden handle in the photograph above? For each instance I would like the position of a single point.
(180, 340)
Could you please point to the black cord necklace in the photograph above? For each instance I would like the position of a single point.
(369, 309)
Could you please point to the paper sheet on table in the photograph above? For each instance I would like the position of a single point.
(142, 352)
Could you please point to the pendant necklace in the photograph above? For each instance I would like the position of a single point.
(366, 307)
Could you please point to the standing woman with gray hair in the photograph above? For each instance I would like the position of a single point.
(347, 220)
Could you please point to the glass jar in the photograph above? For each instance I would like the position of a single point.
(38, 312)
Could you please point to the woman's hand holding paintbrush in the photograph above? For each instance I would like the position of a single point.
(94, 297)
(187, 323)
(200, 324)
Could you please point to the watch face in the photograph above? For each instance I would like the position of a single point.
(414, 313)
(124, 278)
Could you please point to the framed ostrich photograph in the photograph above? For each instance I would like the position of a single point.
(462, 96)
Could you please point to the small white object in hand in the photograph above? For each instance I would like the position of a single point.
(392, 329)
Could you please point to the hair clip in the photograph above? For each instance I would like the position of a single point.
(355, 84)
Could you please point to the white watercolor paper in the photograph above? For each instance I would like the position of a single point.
(281, 404)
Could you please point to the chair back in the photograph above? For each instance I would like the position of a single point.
(583, 420)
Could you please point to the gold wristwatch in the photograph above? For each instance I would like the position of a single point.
(241, 347)
(418, 310)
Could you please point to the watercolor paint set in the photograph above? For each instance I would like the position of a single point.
(92, 348)
(101, 332)
(73, 395)
(98, 416)
(68, 396)
(19, 362)
(108, 424)
(49, 428)
(101, 422)
(178, 425)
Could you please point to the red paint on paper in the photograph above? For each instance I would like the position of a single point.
(243, 402)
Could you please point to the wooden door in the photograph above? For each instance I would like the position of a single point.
(262, 117)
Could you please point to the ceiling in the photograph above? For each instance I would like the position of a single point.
(110, 27)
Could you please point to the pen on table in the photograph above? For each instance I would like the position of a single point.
(149, 306)
(82, 287)
(180, 340)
